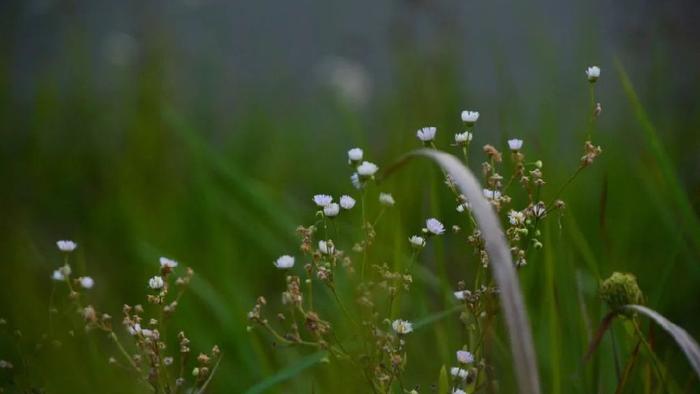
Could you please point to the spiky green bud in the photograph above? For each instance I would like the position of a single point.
(620, 289)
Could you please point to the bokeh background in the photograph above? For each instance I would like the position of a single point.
(199, 129)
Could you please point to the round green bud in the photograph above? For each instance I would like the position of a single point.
(620, 289)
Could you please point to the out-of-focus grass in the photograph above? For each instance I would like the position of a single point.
(145, 177)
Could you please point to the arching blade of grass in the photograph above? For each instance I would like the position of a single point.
(687, 344)
(512, 302)
(688, 217)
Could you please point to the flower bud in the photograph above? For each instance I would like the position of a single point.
(620, 289)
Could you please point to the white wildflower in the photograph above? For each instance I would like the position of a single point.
(539, 210)
(470, 117)
(331, 210)
(593, 73)
(434, 226)
(284, 262)
(86, 282)
(463, 138)
(459, 373)
(133, 329)
(166, 262)
(426, 134)
(386, 199)
(462, 207)
(66, 246)
(347, 202)
(355, 155)
(402, 327)
(461, 294)
(465, 357)
(458, 391)
(516, 218)
(367, 169)
(417, 241)
(323, 200)
(326, 247)
(492, 194)
(515, 144)
(58, 275)
(156, 282)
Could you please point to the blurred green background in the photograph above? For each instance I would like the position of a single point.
(200, 129)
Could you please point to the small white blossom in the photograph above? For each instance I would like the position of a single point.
(463, 138)
(515, 144)
(402, 327)
(156, 282)
(347, 202)
(459, 373)
(134, 329)
(386, 199)
(367, 169)
(166, 262)
(461, 294)
(426, 134)
(492, 194)
(470, 117)
(462, 207)
(323, 200)
(326, 247)
(434, 226)
(284, 262)
(593, 73)
(58, 275)
(417, 241)
(331, 210)
(539, 210)
(66, 246)
(516, 218)
(465, 357)
(458, 391)
(355, 155)
(355, 180)
(168, 361)
(86, 282)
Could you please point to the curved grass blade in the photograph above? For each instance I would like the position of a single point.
(687, 344)
(524, 361)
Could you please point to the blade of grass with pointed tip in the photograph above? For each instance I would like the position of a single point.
(523, 349)
(687, 344)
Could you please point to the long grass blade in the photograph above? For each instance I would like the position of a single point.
(687, 344)
(512, 302)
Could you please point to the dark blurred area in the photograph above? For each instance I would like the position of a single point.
(199, 130)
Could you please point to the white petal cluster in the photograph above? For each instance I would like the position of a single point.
(62, 273)
(426, 134)
(459, 373)
(402, 327)
(386, 199)
(156, 283)
(461, 294)
(347, 202)
(86, 282)
(134, 329)
(434, 226)
(462, 207)
(355, 155)
(593, 73)
(323, 200)
(515, 144)
(284, 262)
(516, 218)
(417, 241)
(470, 117)
(539, 210)
(465, 357)
(66, 246)
(492, 194)
(463, 138)
(367, 169)
(167, 263)
(331, 210)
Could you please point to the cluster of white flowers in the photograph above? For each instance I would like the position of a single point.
(326, 247)
(364, 170)
(417, 241)
(62, 273)
(402, 327)
(331, 209)
(463, 139)
(516, 218)
(459, 373)
(492, 194)
(167, 263)
(593, 73)
(66, 246)
(470, 117)
(284, 262)
(433, 226)
(426, 134)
